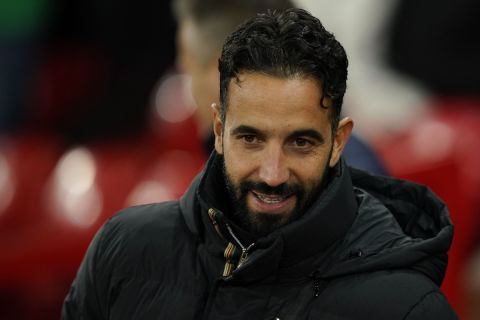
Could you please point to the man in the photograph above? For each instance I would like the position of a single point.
(276, 226)
(202, 28)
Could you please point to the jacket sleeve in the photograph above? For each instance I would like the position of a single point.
(433, 306)
(85, 299)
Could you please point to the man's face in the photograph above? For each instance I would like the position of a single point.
(277, 145)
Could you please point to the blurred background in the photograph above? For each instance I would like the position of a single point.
(97, 113)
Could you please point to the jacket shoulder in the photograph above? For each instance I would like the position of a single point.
(146, 217)
(135, 246)
(140, 240)
(147, 226)
(433, 305)
(394, 294)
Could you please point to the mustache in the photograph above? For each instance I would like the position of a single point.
(284, 189)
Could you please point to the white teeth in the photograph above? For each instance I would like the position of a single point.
(269, 199)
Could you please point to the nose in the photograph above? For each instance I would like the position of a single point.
(273, 167)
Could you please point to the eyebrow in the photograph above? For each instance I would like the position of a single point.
(311, 133)
(244, 129)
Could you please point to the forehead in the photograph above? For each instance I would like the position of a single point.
(276, 102)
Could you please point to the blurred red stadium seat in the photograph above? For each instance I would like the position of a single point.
(46, 228)
(30, 156)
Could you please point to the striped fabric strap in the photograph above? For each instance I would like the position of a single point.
(230, 254)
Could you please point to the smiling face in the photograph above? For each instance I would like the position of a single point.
(277, 145)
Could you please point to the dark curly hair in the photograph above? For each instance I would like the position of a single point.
(286, 44)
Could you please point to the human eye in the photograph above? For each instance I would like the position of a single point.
(247, 135)
(302, 144)
(305, 140)
(249, 139)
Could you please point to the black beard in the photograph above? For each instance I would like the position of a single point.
(259, 224)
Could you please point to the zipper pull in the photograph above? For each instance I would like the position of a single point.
(244, 255)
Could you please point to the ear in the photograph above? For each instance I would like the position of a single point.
(342, 134)
(217, 128)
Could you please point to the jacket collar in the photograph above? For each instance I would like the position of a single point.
(326, 221)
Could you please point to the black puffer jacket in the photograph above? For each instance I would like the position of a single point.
(368, 248)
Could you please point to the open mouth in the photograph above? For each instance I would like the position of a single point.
(273, 203)
(270, 198)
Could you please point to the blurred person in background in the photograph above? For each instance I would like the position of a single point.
(437, 43)
(202, 27)
(276, 226)
(382, 101)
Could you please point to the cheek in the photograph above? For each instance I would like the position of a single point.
(239, 166)
(310, 172)
(235, 167)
